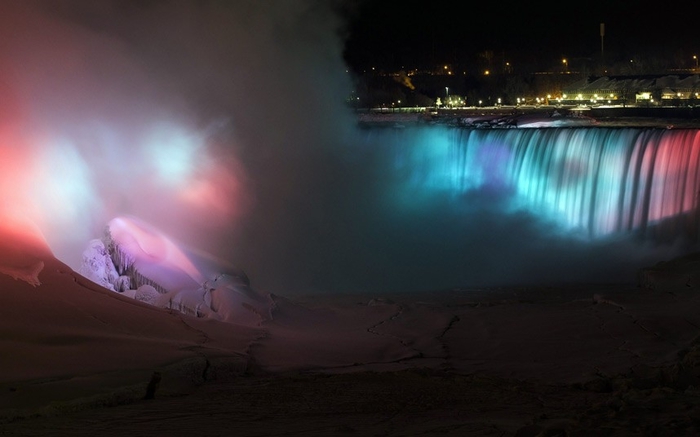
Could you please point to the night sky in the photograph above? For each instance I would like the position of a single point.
(411, 33)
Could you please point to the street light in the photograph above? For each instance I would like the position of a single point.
(566, 64)
(696, 61)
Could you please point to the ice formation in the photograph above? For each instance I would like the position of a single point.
(136, 260)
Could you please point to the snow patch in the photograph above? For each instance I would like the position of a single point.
(28, 274)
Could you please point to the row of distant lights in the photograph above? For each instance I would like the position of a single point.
(538, 100)
(542, 100)
(595, 99)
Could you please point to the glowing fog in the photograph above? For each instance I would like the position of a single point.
(151, 109)
(223, 125)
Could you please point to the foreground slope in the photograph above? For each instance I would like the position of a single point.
(64, 337)
(514, 361)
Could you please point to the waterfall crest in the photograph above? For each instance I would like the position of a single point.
(592, 180)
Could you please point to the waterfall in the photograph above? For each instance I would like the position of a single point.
(429, 207)
(590, 180)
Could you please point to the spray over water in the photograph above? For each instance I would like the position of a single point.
(223, 124)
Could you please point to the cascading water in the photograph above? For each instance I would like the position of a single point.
(594, 181)
(431, 207)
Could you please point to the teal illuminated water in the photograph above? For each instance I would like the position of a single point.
(438, 207)
(592, 181)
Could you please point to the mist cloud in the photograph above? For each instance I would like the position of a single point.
(166, 110)
(223, 124)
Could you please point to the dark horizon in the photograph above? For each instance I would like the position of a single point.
(393, 35)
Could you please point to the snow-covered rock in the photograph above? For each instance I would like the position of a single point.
(135, 259)
(147, 294)
(97, 265)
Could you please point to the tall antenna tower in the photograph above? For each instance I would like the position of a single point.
(602, 52)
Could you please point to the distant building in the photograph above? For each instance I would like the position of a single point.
(656, 90)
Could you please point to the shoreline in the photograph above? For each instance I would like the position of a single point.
(506, 117)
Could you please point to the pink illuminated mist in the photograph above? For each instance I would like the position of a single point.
(117, 108)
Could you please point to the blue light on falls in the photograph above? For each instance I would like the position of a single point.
(504, 206)
(438, 207)
(591, 181)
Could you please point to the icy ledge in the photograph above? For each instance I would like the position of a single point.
(28, 274)
(136, 260)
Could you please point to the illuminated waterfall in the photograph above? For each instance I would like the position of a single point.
(595, 181)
